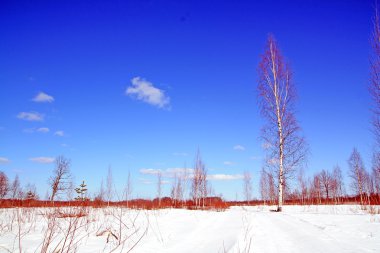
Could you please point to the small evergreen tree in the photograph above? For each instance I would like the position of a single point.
(30, 195)
(81, 191)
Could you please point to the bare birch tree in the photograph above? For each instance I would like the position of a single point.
(176, 192)
(316, 189)
(326, 182)
(264, 191)
(303, 186)
(101, 193)
(60, 181)
(247, 184)
(287, 149)
(357, 174)
(338, 185)
(199, 182)
(374, 87)
(376, 171)
(4, 185)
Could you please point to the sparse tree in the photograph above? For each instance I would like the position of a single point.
(287, 149)
(316, 189)
(337, 186)
(205, 188)
(109, 191)
(303, 186)
(272, 188)
(70, 190)
(4, 185)
(247, 181)
(264, 191)
(177, 189)
(61, 179)
(376, 172)
(15, 188)
(173, 191)
(374, 89)
(100, 195)
(357, 174)
(326, 182)
(374, 86)
(128, 188)
(159, 187)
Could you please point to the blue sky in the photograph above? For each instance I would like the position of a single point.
(144, 84)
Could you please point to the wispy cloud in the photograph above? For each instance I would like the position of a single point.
(59, 133)
(43, 98)
(239, 147)
(4, 160)
(150, 171)
(144, 90)
(43, 130)
(180, 154)
(145, 181)
(42, 159)
(272, 161)
(39, 130)
(266, 145)
(30, 116)
(224, 177)
(228, 163)
(254, 157)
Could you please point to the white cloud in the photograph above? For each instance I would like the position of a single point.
(170, 172)
(43, 98)
(59, 133)
(33, 130)
(43, 130)
(255, 157)
(228, 163)
(239, 148)
(4, 160)
(30, 116)
(150, 171)
(145, 91)
(224, 177)
(42, 159)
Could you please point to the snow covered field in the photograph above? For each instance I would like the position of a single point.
(238, 229)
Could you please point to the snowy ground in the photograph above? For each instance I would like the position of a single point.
(238, 229)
